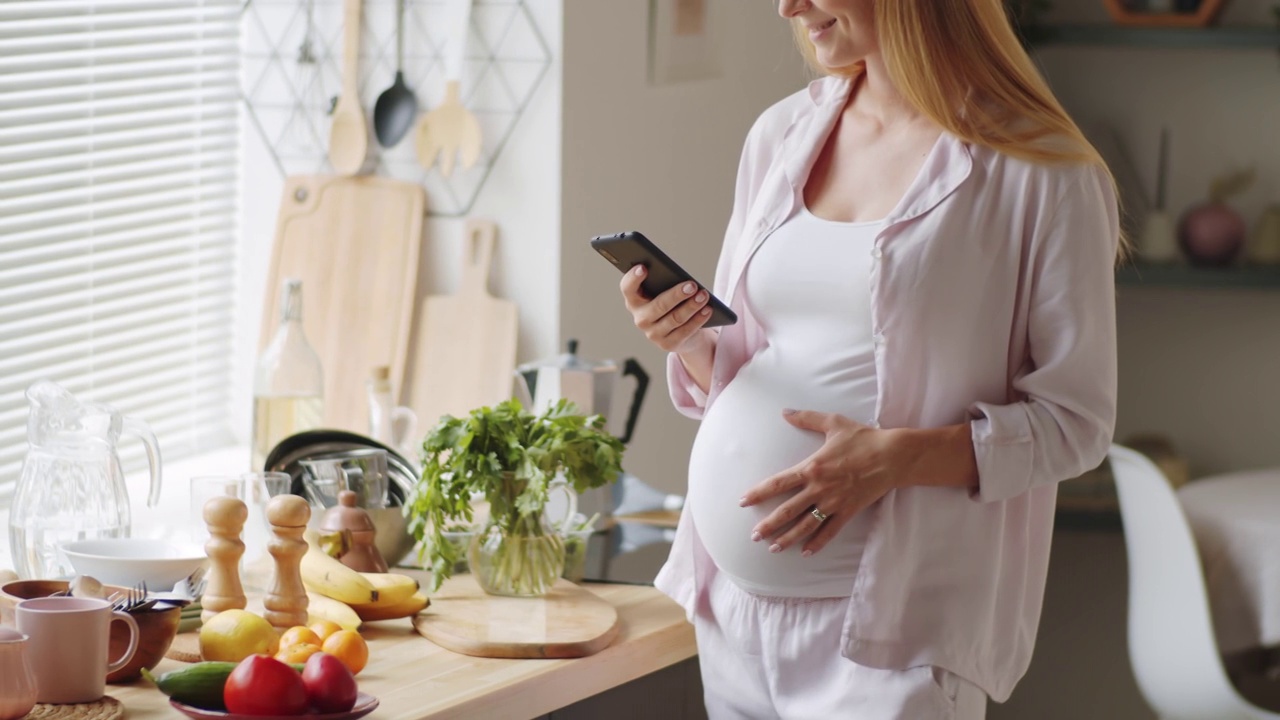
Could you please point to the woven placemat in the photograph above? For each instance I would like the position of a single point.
(108, 708)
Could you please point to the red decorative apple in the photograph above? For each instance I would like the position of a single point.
(1213, 233)
(331, 687)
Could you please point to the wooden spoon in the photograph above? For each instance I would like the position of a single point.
(349, 134)
(450, 131)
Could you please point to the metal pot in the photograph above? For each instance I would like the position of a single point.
(590, 386)
(587, 384)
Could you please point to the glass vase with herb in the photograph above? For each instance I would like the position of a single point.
(512, 457)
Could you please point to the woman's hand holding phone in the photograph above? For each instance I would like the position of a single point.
(674, 321)
(673, 318)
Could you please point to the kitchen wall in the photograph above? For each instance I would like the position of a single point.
(521, 194)
(598, 150)
(602, 150)
(1195, 364)
(660, 159)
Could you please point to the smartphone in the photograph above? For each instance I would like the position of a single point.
(625, 250)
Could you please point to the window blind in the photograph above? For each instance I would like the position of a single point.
(118, 161)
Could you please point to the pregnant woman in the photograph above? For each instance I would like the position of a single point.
(920, 254)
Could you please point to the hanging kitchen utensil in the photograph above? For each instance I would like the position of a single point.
(300, 135)
(397, 106)
(306, 51)
(465, 351)
(349, 134)
(451, 132)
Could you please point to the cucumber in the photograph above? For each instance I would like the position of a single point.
(199, 685)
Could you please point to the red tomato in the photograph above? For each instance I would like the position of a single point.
(330, 685)
(262, 685)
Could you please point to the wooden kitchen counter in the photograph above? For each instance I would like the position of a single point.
(415, 679)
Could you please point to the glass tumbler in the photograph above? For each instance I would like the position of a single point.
(258, 488)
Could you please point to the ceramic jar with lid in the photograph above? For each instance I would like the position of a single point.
(346, 517)
(17, 682)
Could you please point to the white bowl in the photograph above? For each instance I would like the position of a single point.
(129, 561)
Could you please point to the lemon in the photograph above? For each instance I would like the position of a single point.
(233, 635)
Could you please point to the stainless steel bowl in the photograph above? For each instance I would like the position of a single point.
(393, 540)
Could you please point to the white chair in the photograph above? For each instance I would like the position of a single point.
(1171, 643)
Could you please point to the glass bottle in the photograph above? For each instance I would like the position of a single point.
(288, 386)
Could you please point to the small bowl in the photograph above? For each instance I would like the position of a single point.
(156, 631)
(129, 561)
(12, 593)
(156, 628)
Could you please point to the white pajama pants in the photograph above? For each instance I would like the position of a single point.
(765, 658)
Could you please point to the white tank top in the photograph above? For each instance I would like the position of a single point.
(809, 287)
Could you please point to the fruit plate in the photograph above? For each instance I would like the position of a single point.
(365, 704)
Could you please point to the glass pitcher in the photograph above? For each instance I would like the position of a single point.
(72, 485)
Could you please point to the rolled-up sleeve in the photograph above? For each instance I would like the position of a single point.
(688, 398)
(1064, 424)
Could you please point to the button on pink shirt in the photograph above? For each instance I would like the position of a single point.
(993, 303)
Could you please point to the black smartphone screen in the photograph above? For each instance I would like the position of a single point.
(627, 249)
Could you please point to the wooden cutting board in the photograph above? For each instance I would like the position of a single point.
(465, 350)
(567, 622)
(354, 244)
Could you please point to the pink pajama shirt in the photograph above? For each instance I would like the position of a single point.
(992, 304)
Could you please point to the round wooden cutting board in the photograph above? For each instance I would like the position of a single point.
(567, 622)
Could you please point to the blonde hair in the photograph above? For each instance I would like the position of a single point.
(960, 63)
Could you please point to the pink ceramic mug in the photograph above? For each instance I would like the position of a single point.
(68, 646)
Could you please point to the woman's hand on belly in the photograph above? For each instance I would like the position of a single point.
(856, 466)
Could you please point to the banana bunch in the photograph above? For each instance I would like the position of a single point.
(408, 606)
(320, 607)
(347, 597)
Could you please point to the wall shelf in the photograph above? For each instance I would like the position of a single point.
(1239, 277)
(1103, 35)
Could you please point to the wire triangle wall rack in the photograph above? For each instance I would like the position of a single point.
(291, 76)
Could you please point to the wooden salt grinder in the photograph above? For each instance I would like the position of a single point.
(286, 600)
(225, 518)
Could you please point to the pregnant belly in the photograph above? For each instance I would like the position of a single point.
(742, 441)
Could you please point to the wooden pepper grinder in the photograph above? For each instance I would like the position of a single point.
(225, 518)
(286, 601)
(346, 516)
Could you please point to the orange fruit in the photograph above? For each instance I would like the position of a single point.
(300, 635)
(350, 648)
(296, 653)
(324, 628)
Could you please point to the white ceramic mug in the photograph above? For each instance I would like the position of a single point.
(67, 646)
